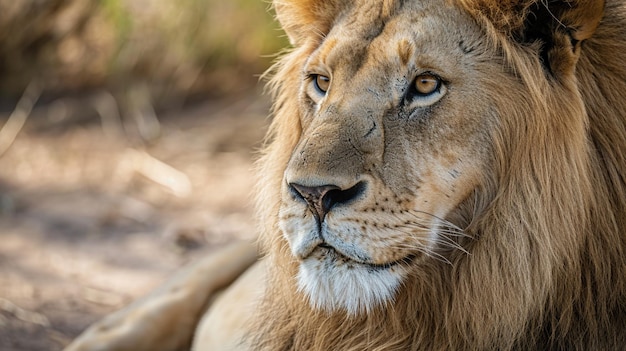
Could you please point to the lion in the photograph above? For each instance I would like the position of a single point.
(439, 175)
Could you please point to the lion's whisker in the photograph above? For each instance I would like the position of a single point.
(442, 229)
(424, 248)
(443, 220)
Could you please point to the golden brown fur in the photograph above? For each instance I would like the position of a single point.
(546, 224)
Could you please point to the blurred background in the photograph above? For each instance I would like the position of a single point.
(128, 130)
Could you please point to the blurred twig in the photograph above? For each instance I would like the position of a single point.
(24, 315)
(143, 113)
(18, 117)
(157, 171)
(102, 297)
(108, 109)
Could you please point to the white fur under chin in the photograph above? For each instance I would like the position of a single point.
(355, 289)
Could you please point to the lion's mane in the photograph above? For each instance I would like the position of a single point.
(557, 189)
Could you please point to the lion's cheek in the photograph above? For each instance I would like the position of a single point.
(444, 185)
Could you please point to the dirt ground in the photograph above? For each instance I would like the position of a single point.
(92, 217)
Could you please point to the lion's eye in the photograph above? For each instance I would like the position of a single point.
(322, 83)
(426, 84)
(427, 89)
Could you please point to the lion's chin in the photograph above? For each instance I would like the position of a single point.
(332, 284)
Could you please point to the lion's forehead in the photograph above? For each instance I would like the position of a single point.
(414, 38)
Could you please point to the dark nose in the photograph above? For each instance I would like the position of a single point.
(321, 199)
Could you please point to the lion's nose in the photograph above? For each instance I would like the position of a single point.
(321, 199)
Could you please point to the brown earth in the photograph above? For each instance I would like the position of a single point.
(92, 216)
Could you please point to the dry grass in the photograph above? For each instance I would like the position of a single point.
(102, 193)
(174, 47)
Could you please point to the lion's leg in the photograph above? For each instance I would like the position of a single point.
(166, 319)
(225, 323)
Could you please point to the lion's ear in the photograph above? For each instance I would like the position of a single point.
(559, 26)
(302, 19)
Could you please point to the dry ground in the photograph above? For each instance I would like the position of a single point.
(90, 221)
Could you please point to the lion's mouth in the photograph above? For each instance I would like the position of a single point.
(332, 253)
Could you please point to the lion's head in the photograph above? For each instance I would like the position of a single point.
(432, 176)
(395, 138)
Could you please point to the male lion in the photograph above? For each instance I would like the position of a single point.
(441, 175)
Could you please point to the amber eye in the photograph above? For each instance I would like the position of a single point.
(322, 83)
(426, 84)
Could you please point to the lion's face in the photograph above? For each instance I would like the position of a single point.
(395, 139)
